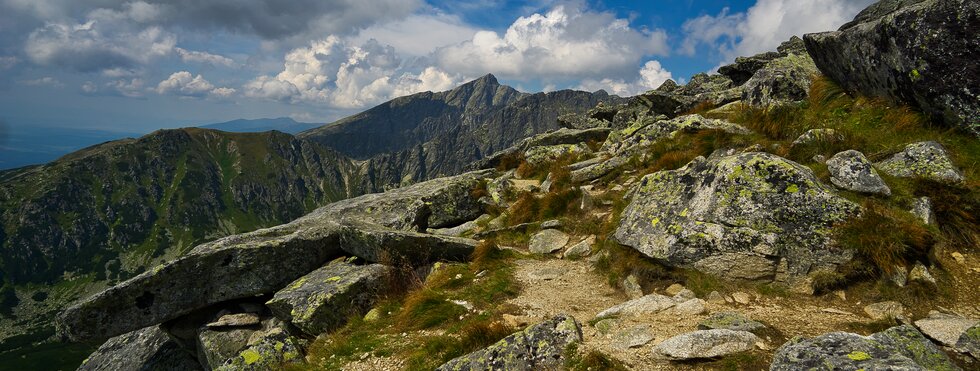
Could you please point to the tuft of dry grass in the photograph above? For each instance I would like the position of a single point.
(885, 238)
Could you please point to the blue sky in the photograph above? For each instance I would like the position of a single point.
(139, 65)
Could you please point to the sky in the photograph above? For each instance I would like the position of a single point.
(140, 65)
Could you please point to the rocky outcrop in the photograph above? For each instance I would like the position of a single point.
(641, 134)
(921, 53)
(539, 347)
(705, 344)
(323, 299)
(852, 171)
(372, 227)
(747, 216)
(560, 137)
(147, 349)
(269, 349)
(898, 348)
(782, 80)
(927, 160)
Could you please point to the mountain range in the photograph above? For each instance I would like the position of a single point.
(113, 210)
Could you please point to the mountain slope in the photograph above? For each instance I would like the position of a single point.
(428, 135)
(283, 124)
(403, 122)
(128, 203)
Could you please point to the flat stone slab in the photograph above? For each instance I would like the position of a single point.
(705, 344)
(653, 303)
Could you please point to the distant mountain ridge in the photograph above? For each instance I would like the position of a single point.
(428, 135)
(283, 124)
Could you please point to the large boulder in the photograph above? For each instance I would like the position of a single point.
(148, 349)
(323, 299)
(922, 53)
(373, 227)
(782, 80)
(927, 160)
(218, 344)
(898, 348)
(640, 135)
(740, 217)
(705, 344)
(539, 347)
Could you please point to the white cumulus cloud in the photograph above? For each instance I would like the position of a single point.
(565, 43)
(44, 81)
(185, 84)
(766, 24)
(335, 73)
(652, 75)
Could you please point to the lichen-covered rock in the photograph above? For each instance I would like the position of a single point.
(922, 209)
(852, 171)
(918, 52)
(581, 249)
(437, 203)
(898, 348)
(539, 347)
(322, 300)
(737, 216)
(705, 344)
(920, 273)
(814, 135)
(216, 345)
(599, 170)
(547, 241)
(558, 137)
(653, 303)
(269, 351)
(633, 337)
(730, 321)
(641, 135)
(148, 349)
(969, 342)
(782, 80)
(267, 260)
(923, 160)
(542, 154)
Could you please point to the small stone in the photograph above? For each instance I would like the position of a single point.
(819, 159)
(632, 287)
(553, 223)
(588, 201)
(691, 307)
(730, 321)
(605, 326)
(841, 294)
(372, 315)
(884, 310)
(684, 295)
(705, 344)
(634, 337)
(236, 320)
(813, 135)
(674, 289)
(922, 208)
(649, 304)
(581, 249)
(958, 257)
(742, 298)
(464, 304)
(716, 298)
(548, 241)
(900, 277)
(920, 273)
(837, 311)
(922, 160)
(617, 188)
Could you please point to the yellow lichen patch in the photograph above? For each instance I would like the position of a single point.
(792, 188)
(251, 356)
(333, 279)
(859, 356)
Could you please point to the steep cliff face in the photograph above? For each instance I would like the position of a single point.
(401, 123)
(121, 206)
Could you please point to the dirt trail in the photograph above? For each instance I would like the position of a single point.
(558, 286)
